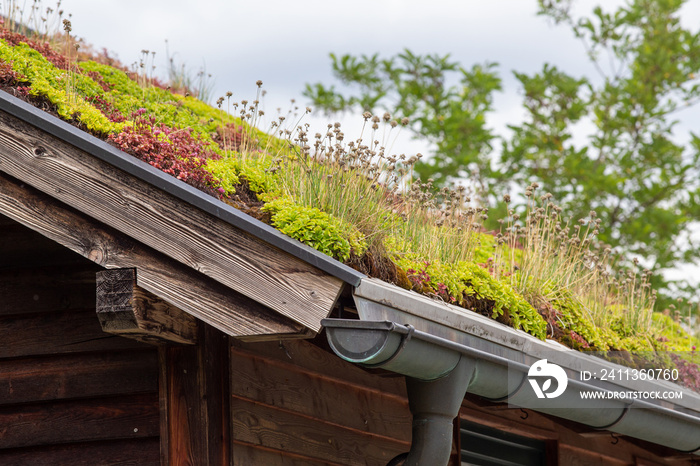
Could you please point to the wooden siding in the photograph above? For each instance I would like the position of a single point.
(69, 393)
(297, 404)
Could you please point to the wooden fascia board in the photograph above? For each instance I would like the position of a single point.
(191, 291)
(237, 259)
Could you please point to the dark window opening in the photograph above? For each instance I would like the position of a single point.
(486, 446)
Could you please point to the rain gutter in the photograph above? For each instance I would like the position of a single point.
(446, 351)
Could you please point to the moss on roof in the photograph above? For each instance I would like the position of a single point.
(360, 205)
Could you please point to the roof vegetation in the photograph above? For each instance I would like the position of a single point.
(353, 200)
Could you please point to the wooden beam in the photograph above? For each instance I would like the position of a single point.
(126, 309)
(154, 217)
(189, 290)
(195, 401)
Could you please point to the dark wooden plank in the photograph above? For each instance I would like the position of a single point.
(307, 356)
(136, 452)
(126, 309)
(195, 422)
(78, 376)
(124, 417)
(247, 455)
(55, 333)
(281, 430)
(53, 289)
(190, 291)
(285, 386)
(154, 217)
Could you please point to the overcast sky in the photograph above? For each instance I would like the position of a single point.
(286, 43)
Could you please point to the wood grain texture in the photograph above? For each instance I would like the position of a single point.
(126, 309)
(245, 454)
(72, 376)
(294, 402)
(54, 333)
(286, 431)
(310, 358)
(136, 452)
(340, 402)
(58, 422)
(190, 291)
(195, 425)
(205, 243)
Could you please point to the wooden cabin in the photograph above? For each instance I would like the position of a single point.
(143, 322)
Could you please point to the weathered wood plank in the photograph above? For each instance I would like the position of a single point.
(192, 292)
(312, 359)
(195, 423)
(126, 309)
(124, 417)
(248, 455)
(73, 376)
(55, 333)
(26, 291)
(136, 452)
(281, 430)
(203, 242)
(285, 386)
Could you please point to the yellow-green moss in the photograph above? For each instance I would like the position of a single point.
(316, 228)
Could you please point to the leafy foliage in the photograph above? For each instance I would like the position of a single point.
(642, 183)
(174, 151)
(319, 230)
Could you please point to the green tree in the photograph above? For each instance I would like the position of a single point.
(643, 184)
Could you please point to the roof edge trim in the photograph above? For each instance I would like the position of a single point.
(186, 193)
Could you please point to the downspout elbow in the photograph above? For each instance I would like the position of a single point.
(434, 405)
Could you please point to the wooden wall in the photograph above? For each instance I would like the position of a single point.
(297, 404)
(69, 393)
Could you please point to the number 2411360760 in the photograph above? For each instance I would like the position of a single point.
(631, 374)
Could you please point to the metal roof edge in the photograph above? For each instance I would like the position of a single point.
(439, 317)
(186, 193)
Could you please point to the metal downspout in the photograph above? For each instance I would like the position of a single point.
(437, 379)
(434, 405)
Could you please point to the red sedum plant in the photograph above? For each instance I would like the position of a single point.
(174, 151)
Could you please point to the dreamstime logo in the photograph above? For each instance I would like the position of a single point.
(547, 371)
